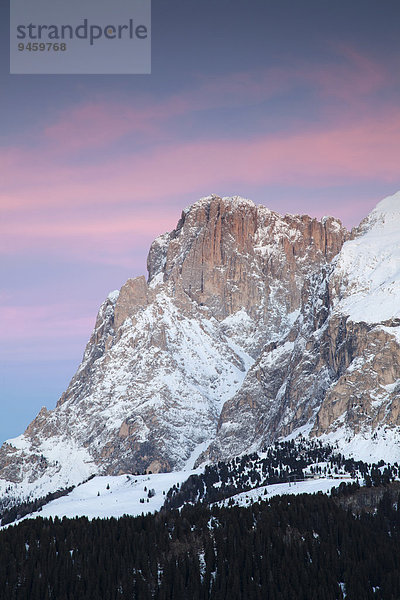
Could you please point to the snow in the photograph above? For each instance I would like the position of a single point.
(67, 464)
(237, 320)
(395, 331)
(293, 316)
(311, 486)
(356, 364)
(370, 445)
(334, 223)
(20, 442)
(233, 202)
(391, 387)
(93, 500)
(304, 431)
(157, 280)
(113, 296)
(368, 267)
(162, 240)
(116, 496)
(195, 454)
(278, 353)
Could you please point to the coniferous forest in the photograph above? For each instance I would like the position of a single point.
(290, 547)
(281, 462)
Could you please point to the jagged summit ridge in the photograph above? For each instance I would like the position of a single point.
(223, 250)
(238, 336)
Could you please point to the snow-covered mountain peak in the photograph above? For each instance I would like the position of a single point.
(367, 274)
(240, 335)
(231, 202)
(384, 217)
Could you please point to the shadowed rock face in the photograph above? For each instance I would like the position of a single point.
(236, 338)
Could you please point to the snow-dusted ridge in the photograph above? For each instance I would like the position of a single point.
(106, 497)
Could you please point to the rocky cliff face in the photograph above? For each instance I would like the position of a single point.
(246, 330)
(336, 373)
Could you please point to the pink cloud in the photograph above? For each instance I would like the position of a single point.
(46, 200)
(46, 322)
(102, 122)
(88, 228)
(352, 79)
(112, 234)
(66, 198)
(367, 150)
(96, 124)
(105, 121)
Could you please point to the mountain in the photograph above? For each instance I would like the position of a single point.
(336, 374)
(251, 326)
(285, 467)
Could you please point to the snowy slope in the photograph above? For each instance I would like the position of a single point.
(368, 267)
(367, 445)
(109, 496)
(265, 492)
(104, 497)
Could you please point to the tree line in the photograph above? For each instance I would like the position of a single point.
(287, 548)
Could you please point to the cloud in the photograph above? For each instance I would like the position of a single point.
(102, 122)
(352, 78)
(44, 322)
(363, 148)
(132, 195)
(103, 178)
(348, 76)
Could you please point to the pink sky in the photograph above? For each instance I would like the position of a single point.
(90, 192)
(85, 190)
(296, 108)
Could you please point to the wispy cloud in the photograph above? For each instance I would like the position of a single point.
(350, 78)
(367, 149)
(105, 177)
(44, 322)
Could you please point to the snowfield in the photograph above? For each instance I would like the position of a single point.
(368, 267)
(114, 496)
(105, 497)
(265, 492)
